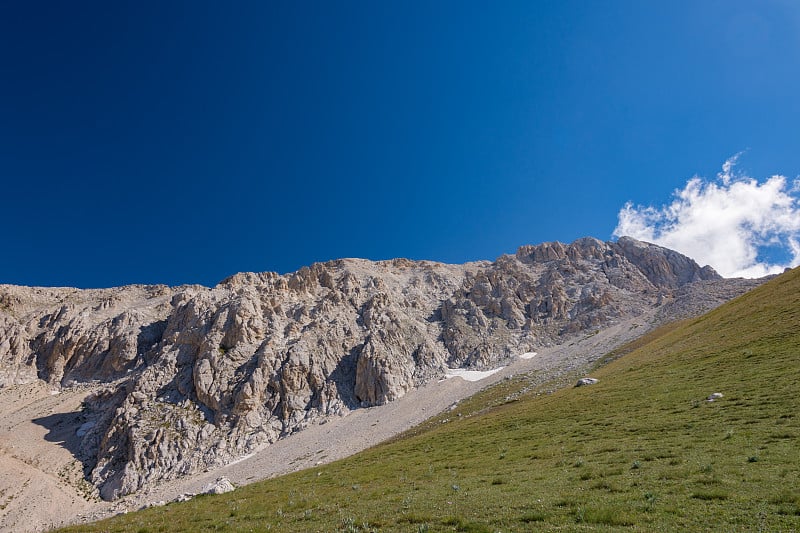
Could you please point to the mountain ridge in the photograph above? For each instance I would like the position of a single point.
(195, 377)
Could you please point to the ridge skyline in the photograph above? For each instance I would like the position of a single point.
(337, 259)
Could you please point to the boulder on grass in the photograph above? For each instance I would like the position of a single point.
(220, 486)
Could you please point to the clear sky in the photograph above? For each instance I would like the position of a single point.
(181, 142)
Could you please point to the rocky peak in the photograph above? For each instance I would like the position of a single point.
(662, 266)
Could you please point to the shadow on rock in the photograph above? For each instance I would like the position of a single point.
(344, 376)
(67, 430)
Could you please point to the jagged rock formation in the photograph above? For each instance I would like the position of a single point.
(196, 377)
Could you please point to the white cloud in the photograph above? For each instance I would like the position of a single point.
(735, 223)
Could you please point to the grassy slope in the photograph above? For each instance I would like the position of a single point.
(641, 450)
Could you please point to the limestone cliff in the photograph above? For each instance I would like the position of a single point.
(196, 376)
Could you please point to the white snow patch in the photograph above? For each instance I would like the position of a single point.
(527, 355)
(470, 375)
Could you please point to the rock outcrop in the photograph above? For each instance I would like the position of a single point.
(195, 377)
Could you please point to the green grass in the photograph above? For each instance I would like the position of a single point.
(642, 450)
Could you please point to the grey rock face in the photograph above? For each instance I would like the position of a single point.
(65, 335)
(197, 377)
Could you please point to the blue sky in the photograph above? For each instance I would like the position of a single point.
(181, 142)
